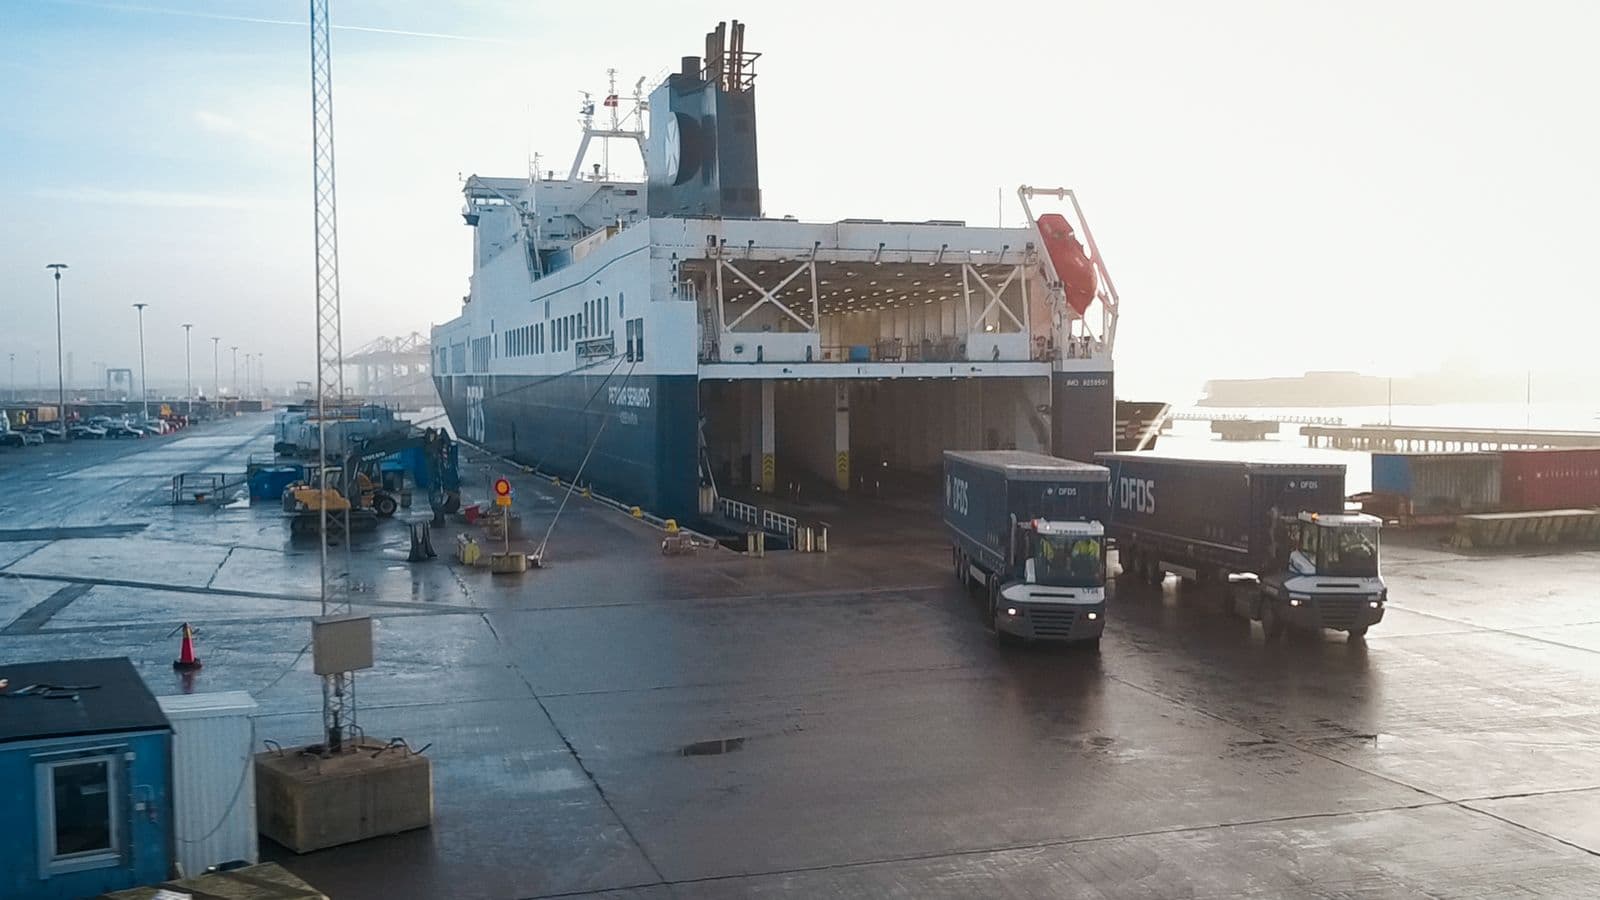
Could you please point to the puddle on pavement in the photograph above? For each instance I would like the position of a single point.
(551, 781)
(712, 748)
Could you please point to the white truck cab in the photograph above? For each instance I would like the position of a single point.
(1332, 578)
(1062, 592)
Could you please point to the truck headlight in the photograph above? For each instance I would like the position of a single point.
(1295, 601)
(1093, 616)
(1375, 604)
(1011, 610)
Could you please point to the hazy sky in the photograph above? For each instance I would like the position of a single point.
(1277, 186)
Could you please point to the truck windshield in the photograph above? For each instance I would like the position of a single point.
(1067, 561)
(1351, 550)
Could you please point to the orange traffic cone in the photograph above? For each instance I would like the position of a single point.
(186, 661)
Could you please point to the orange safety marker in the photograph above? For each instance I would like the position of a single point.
(186, 661)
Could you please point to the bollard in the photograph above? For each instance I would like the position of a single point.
(421, 542)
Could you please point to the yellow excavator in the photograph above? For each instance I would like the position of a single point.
(307, 499)
(430, 458)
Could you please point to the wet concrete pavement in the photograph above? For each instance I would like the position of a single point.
(844, 724)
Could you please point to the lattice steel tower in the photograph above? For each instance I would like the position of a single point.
(338, 689)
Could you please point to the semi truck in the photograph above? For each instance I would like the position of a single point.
(1307, 563)
(1026, 528)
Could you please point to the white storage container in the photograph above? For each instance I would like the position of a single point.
(213, 778)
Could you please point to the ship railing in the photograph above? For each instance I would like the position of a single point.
(778, 523)
(765, 519)
(739, 512)
(945, 348)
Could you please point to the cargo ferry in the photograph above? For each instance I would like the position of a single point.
(665, 341)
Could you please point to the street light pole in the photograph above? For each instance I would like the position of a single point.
(12, 384)
(249, 367)
(235, 379)
(144, 385)
(61, 377)
(188, 373)
(216, 370)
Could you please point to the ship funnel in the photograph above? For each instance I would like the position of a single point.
(691, 67)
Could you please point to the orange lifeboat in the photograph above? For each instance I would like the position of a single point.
(1072, 265)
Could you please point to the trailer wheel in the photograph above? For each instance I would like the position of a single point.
(1272, 623)
(1127, 562)
(1153, 571)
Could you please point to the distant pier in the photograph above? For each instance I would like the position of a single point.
(1444, 440)
(1240, 417)
(1244, 429)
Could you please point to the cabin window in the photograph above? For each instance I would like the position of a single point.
(78, 814)
(1308, 542)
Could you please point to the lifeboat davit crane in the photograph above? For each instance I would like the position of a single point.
(1075, 274)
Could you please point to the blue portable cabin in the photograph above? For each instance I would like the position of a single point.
(85, 766)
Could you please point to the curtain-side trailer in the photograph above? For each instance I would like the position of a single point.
(1283, 523)
(1027, 528)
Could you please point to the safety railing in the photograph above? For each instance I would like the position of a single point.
(740, 512)
(947, 348)
(202, 487)
(778, 523)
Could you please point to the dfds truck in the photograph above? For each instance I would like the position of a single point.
(1027, 528)
(1284, 523)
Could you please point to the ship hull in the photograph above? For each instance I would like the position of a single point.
(633, 440)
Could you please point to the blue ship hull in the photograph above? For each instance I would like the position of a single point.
(644, 431)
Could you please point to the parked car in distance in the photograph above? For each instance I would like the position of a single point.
(87, 430)
(50, 432)
(117, 427)
(14, 438)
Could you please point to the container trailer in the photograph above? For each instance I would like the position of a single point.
(1027, 528)
(1281, 524)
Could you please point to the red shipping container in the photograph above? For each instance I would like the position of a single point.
(1550, 479)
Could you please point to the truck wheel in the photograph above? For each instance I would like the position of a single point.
(1359, 633)
(1153, 572)
(1272, 624)
(384, 505)
(960, 565)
